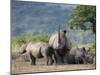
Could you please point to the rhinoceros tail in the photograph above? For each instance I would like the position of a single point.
(40, 54)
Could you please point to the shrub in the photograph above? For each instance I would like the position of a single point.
(17, 41)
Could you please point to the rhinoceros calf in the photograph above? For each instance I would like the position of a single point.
(90, 57)
(77, 56)
(38, 50)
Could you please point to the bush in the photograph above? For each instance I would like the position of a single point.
(17, 41)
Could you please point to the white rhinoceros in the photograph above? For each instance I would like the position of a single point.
(38, 50)
(61, 44)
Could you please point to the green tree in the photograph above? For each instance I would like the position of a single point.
(81, 15)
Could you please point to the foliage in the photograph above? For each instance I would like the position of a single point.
(81, 15)
(17, 41)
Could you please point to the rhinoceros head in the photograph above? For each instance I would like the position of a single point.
(22, 49)
(61, 38)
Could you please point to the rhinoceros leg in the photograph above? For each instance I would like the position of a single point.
(55, 57)
(32, 59)
(46, 60)
(83, 60)
(77, 60)
(51, 60)
(62, 59)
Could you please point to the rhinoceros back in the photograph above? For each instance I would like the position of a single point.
(35, 49)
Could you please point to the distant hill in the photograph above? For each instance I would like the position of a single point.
(33, 17)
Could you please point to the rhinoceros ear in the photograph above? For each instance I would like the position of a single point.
(84, 49)
(88, 51)
(64, 31)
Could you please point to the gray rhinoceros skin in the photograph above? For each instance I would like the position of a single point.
(77, 56)
(38, 50)
(61, 44)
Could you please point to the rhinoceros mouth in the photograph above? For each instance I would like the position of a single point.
(24, 51)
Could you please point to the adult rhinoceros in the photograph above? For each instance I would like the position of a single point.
(38, 50)
(60, 43)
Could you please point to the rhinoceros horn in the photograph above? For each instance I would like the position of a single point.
(59, 35)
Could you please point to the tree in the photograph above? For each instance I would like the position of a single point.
(81, 15)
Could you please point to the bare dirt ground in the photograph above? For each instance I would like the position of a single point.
(20, 64)
(25, 67)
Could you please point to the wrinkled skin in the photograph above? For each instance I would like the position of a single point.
(90, 57)
(61, 45)
(77, 56)
(80, 56)
(38, 50)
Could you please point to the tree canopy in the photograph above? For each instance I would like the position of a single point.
(81, 15)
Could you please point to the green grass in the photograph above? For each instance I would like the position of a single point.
(17, 41)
